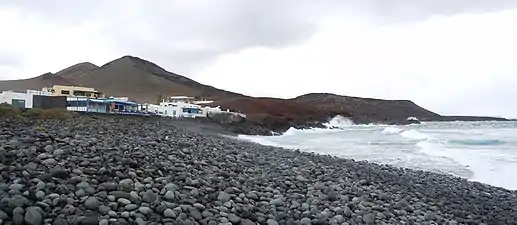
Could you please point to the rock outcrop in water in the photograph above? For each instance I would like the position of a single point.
(130, 170)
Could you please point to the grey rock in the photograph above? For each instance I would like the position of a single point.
(112, 213)
(83, 185)
(123, 201)
(171, 187)
(277, 201)
(80, 193)
(40, 195)
(149, 196)
(169, 195)
(110, 186)
(18, 219)
(49, 148)
(40, 185)
(199, 206)
(319, 186)
(131, 207)
(18, 201)
(247, 222)
(207, 214)
(90, 220)
(306, 221)
(92, 203)
(252, 195)
(3, 215)
(138, 186)
(111, 198)
(16, 187)
(144, 210)
(223, 196)
(126, 185)
(120, 194)
(18, 210)
(58, 152)
(194, 212)
(103, 210)
(140, 221)
(103, 222)
(234, 218)
(271, 222)
(49, 162)
(169, 213)
(125, 214)
(369, 218)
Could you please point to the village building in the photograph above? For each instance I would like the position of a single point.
(32, 99)
(184, 106)
(105, 105)
(62, 90)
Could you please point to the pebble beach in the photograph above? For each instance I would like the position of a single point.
(130, 170)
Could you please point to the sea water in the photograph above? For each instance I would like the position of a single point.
(479, 151)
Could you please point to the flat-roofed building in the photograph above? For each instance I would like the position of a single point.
(77, 91)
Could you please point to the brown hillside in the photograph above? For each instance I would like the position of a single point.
(35, 83)
(367, 109)
(77, 70)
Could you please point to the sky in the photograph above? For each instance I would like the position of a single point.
(453, 57)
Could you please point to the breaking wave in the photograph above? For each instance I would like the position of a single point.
(339, 122)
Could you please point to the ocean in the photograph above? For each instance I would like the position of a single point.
(479, 151)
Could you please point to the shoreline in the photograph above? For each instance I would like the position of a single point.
(146, 171)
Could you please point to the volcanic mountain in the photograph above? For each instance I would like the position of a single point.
(144, 81)
(138, 79)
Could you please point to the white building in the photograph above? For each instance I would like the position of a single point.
(21, 100)
(183, 106)
(180, 109)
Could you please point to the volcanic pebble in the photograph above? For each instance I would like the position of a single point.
(136, 170)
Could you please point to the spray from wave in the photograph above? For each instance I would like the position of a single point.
(392, 130)
(339, 122)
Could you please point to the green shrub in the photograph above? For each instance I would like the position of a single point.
(34, 113)
(9, 111)
(40, 129)
(59, 114)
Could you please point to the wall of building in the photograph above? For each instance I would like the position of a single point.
(59, 90)
(48, 102)
(9, 96)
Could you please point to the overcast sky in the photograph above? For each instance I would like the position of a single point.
(451, 56)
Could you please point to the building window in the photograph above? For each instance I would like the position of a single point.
(77, 104)
(18, 103)
(65, 92)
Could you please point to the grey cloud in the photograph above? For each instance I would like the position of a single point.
(58, 11)
(165, 30)
(10, 59)
(404, 10)
(225, 27)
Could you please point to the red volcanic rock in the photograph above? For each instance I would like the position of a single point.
(278, 114)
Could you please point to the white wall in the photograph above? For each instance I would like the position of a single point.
(8, 96)
(35, 92)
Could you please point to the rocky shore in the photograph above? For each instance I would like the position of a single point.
(117, 170)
